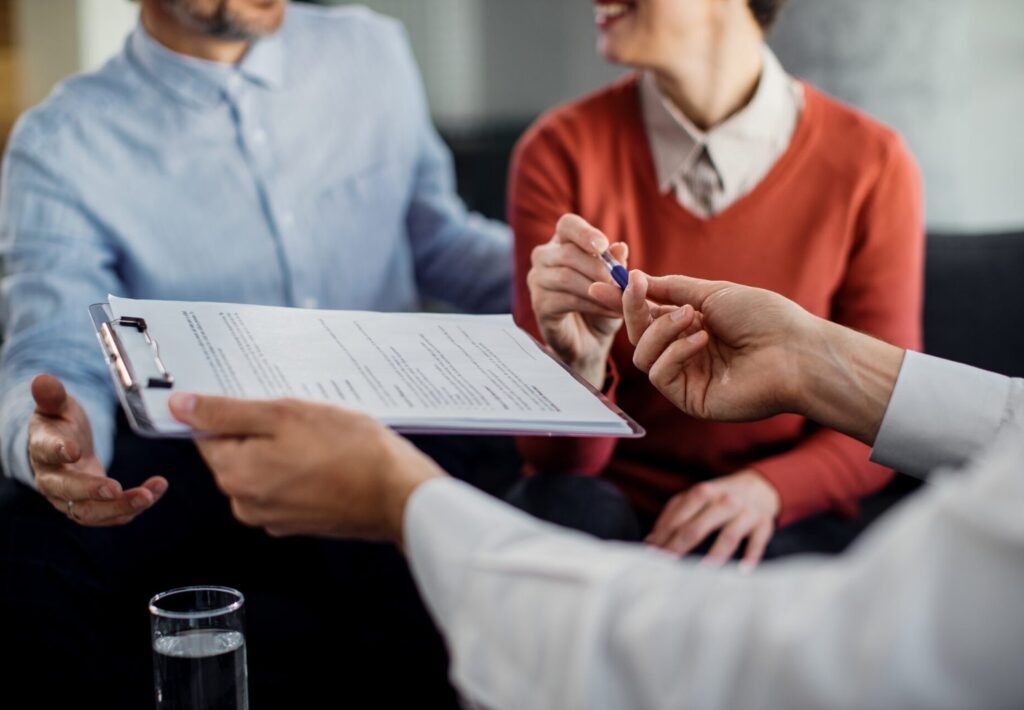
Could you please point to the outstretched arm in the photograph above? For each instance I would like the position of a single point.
(757, 354)
(923, 614)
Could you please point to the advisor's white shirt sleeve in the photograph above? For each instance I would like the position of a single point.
(925, 611)
(941, 413)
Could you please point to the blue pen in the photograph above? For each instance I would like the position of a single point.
(617, 270)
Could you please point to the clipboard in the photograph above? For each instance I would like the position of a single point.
(132, 353)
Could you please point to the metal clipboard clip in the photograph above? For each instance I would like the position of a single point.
(131, 383)
(118, 356)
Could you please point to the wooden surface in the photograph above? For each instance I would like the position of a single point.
(9, 91)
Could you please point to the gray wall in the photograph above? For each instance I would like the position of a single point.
(948, 74)
(499, 61)
(538, 54)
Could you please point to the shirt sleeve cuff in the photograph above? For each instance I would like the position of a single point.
(17, 410)
(940, 414)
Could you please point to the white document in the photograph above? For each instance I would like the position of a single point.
(413, 372)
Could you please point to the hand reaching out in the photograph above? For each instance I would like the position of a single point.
(740, 365)
(68, 472)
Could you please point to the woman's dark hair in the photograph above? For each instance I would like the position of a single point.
(766, 11)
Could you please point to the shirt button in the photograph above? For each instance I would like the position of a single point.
(310, 302)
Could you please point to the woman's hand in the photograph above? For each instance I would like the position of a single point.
(577, 327)
(741, 508)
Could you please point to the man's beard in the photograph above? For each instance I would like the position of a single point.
(222, 23)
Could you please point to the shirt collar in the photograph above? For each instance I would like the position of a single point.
(205, 83)
(677, 144)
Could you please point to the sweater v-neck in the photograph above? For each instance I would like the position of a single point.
(790, 161)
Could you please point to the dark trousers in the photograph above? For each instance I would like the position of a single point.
(73, 600)
(598, 507)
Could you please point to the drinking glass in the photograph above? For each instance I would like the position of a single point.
(199, 649)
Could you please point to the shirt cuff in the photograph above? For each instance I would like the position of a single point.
(17, 410)
(940, 414)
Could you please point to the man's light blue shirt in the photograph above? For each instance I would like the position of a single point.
(308, 175)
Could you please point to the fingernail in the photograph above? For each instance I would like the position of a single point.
(711, 562)
(746, 567)
(63, 453)
(106, 493)
(138, 502)
(159, 488)
(696, 337)
(600, 245)
(183, 403)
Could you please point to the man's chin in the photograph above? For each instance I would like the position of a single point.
(261, 22)
(231, 24)
(243, 29)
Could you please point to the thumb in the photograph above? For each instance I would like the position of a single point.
(50, 396)
(680, 290)
(224, 415)
(635, 308)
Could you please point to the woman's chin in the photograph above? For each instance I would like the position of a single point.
(614, 51)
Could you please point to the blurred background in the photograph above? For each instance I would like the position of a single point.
(948, 74)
